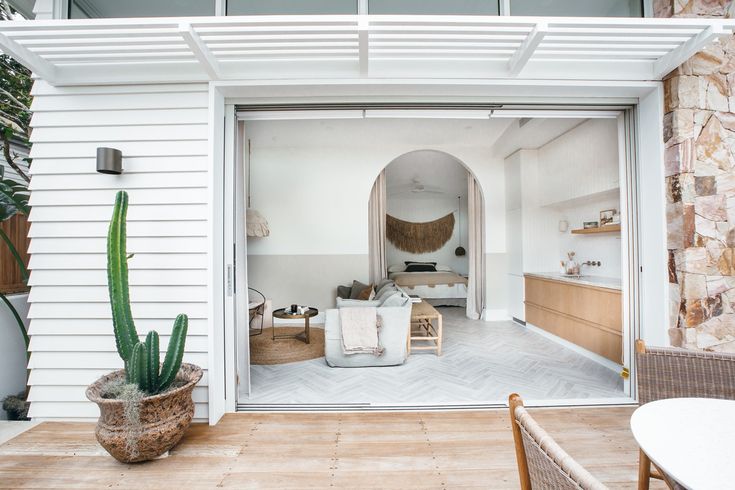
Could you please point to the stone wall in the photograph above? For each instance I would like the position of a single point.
(699, 139)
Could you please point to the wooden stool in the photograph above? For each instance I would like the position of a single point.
(426, 325)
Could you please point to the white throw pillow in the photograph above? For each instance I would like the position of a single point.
(397, 268)
(443, 268)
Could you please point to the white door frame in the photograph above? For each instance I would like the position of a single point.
(646, 96)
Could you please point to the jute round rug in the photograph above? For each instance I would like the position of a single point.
(265, 350)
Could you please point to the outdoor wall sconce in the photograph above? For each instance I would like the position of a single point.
(109, 161)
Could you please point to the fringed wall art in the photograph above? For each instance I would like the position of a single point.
(419, 238)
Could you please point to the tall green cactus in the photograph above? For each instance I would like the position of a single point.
(142, 359)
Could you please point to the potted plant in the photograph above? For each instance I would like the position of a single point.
(146, 407)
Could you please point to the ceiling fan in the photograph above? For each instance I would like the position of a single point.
(417, 188)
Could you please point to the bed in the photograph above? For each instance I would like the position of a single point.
(443, 287)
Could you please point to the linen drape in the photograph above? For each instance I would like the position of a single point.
(376, 230)
(476, 252)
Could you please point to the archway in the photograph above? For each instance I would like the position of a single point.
(427, 207)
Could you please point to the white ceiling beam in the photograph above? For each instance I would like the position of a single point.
(363, 39)
(520, 58)
(664, 65)
(41, 67)
(201, 51)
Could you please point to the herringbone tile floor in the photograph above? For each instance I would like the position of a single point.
(482, 363)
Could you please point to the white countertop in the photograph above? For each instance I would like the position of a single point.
(690, 439)
(587, 280)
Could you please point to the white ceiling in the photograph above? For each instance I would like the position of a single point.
(432, 169)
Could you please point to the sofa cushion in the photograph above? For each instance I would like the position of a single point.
(344, 291)
(382, 283)
(367, 293)
(395, 299)
(357, 288)
(386, 291)
(385, 287)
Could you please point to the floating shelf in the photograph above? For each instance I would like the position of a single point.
(601, 229)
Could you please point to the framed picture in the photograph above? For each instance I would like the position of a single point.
(589, 224)
(606, 216)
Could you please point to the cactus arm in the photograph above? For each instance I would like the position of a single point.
(117, 279)
(154, 360)
(138, 368)
(174, 352)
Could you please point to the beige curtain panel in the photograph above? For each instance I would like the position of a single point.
(419, 238)
(376, 230)
(476, 253)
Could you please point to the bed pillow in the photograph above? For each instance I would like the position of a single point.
(409, 262)
(396, 268)
(444, 268)
(416, 267)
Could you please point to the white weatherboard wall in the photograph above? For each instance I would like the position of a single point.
(312, 178)
(162, 132)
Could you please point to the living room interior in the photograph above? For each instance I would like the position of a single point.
(532, 291)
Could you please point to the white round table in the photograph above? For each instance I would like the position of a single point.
(690, 439)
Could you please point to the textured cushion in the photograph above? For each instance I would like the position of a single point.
(384, 287)
(420, 268)
(395, 299)
(383, 282)
(385, 292)
(357, 288)
(366, 293)
(344, 291)
(397, 268)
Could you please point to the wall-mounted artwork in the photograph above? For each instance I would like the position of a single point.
(419, 238)
(606, 216)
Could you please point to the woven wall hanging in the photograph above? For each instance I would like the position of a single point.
(419, 238)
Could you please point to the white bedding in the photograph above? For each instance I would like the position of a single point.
(444, 291)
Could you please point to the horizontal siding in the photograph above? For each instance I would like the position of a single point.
(162, 133)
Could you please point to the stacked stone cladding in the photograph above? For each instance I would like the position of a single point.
(699, 163)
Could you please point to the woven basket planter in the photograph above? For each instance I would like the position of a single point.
(163, 418)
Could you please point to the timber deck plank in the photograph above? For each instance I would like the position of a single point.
(328, 450)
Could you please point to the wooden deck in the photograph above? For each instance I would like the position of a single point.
(338, 450)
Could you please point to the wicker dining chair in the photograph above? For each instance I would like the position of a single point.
(542, 463)
(670, 372)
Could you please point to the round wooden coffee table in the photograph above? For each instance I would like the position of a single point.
(303, 336)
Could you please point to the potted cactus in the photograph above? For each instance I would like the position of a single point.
(146, 407)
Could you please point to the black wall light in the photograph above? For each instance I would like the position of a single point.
(109, 161)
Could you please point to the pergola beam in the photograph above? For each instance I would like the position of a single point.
(664, 65)
(520, 58)
(201, 51)
(29, 59)
(363, 38)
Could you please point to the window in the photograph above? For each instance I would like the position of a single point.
(434, 7)
(91, 9)
(577, 8)
(291, 7)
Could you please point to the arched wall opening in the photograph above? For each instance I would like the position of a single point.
(431, 195)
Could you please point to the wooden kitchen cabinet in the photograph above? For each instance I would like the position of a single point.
(586, 315)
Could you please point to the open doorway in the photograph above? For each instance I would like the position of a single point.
(311, 175)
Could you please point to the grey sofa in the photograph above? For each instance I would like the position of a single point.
(394, 309)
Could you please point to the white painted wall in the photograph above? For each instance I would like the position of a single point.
(312, 180)
(162, 132)
(564, 179)
(12, 349)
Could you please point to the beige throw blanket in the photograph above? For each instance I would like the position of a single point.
(431, 279)
(360, 330)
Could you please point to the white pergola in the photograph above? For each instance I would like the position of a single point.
(104, 51)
